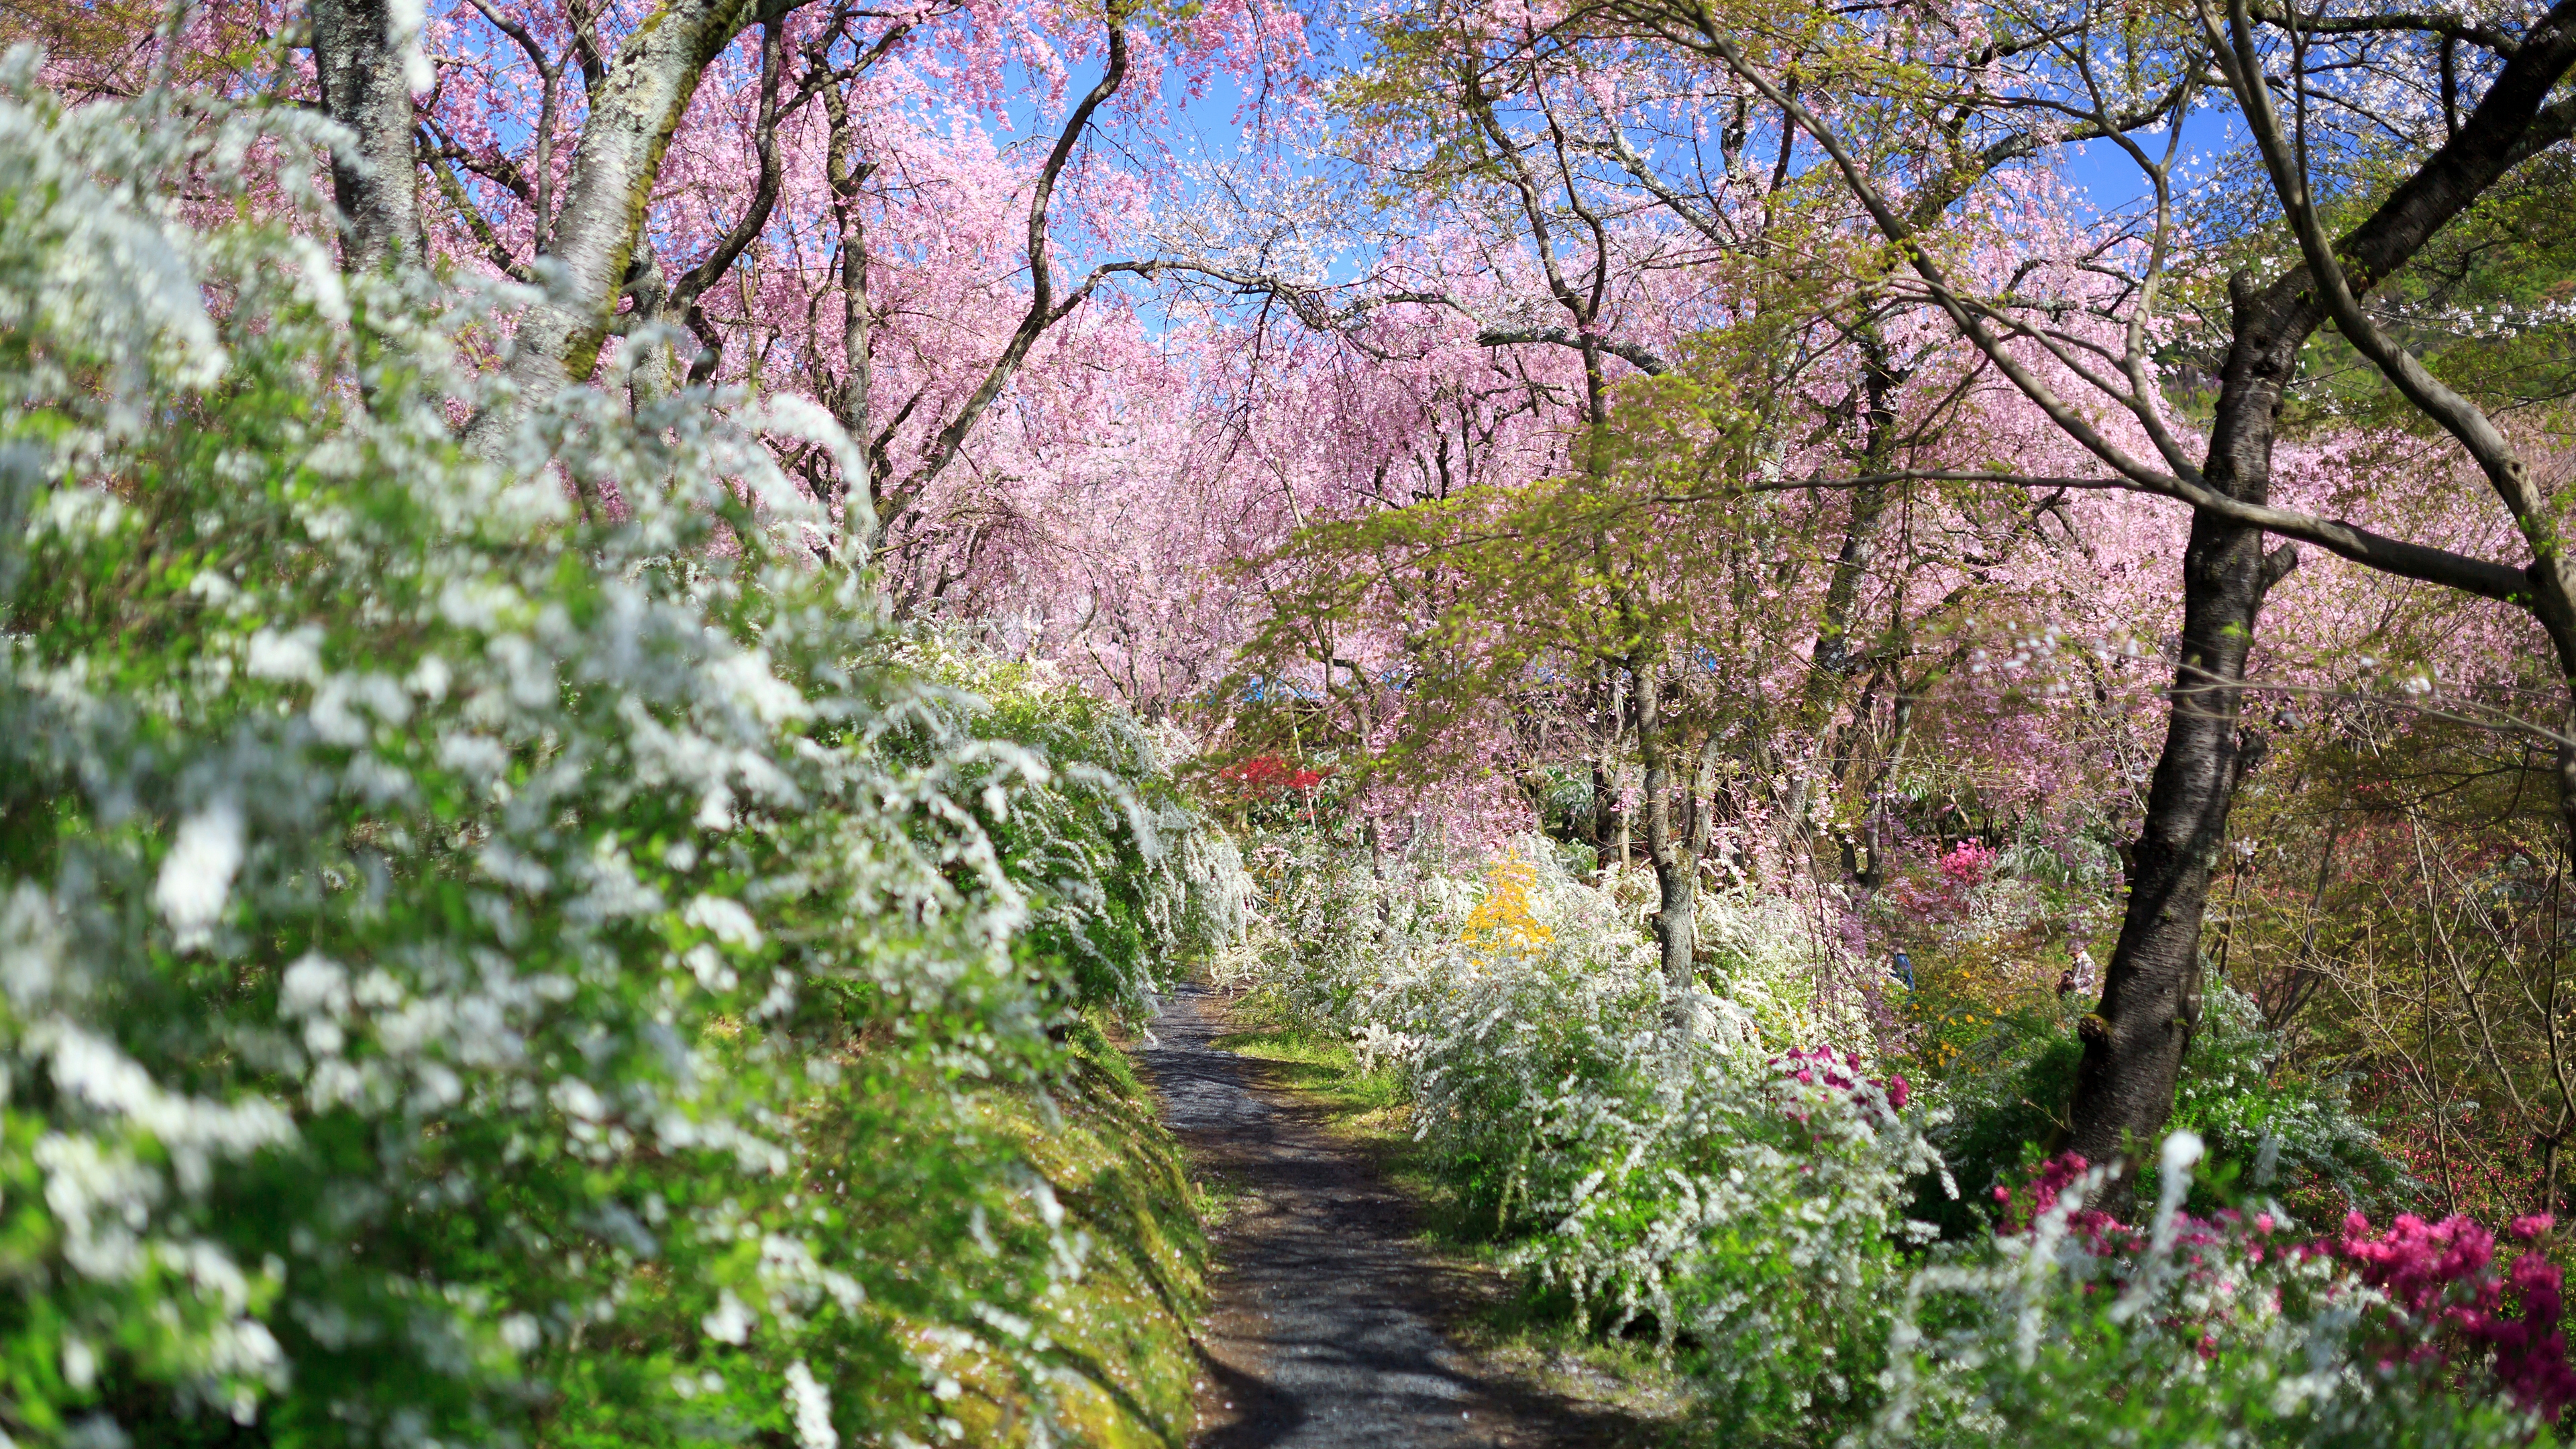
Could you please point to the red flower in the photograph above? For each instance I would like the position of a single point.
(1268, 777)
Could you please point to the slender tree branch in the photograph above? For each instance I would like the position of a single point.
(2482, 577)
(2530, 75)
(462, 203)
(1043, 311)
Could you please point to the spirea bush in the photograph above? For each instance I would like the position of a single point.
(2295, 1134)
(1788, 981)
(2235, 1329)
(473, 967)
(1753, 1200)
(1724, 1185)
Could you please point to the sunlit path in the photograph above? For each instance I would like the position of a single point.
(1328, 1326)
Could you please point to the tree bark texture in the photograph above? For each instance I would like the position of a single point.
(2151, 991)
(1668, 850)
(2135, 1040)
(848, 175)
(1832, 661)
(632, 118)
(359, 62)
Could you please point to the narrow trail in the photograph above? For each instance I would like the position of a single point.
(1331, 1324)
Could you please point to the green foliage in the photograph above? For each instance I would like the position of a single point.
(2005, 1098)
(2484, 306)
(1745, 1205)
(1769, 1212)
(2291, 1133)
(473, 969)
(2295, 1136)
(1119, 871)
(2194, 1333)
(1650, 552)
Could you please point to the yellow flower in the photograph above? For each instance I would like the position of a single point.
(1502, 921)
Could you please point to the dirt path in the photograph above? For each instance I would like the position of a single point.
(1331, 1322)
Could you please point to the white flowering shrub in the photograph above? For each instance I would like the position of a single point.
(1769, 956)
(476, 967)
(1729, 1183)
(1120, 874)
(2222, 1331)
(1325, 917)
(2296, 1133)
(1749, 1197)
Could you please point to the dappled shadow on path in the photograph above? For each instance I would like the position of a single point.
(1331, 1322)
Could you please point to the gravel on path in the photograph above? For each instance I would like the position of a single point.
(1330, 1324)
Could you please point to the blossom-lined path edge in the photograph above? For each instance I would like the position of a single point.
(1331, 1322)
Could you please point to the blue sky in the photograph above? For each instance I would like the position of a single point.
(2110, 180)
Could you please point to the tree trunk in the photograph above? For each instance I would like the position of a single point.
(1609, 821)
(848, 176)
(653, 369)
(1831, 664)
(2553, 604)
(1668, 851)
(2135, 1039)
(2133, 1045)
(584, 270)
(365, 76)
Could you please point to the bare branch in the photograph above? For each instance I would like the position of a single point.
(2482, 577)
(462, 203)
(1043, 310)
(1310, 306)
(2449, 27)
(2526, 81)
(1643, 359)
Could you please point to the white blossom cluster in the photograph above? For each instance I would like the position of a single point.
(1747, 1193)
(1698, 1176)
(2218, 1332)
(469, 959)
